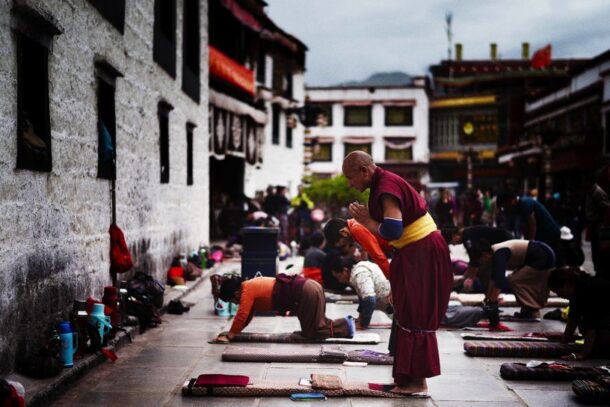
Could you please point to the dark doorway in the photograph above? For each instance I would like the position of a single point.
(226, 196)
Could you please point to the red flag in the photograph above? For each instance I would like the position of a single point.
(542, 57)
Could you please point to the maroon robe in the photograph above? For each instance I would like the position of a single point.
(421, 281)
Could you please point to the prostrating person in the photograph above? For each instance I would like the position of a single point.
(368, 281)
(343, 233)
(531, 262)
(420, 272)
(302, 297)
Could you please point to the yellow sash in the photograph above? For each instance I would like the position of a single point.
(417, 230)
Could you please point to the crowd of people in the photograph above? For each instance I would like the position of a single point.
(396, 257)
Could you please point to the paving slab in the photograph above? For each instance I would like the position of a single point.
(153, 368)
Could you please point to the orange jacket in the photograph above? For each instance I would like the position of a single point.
(372, 244)
(256, 295)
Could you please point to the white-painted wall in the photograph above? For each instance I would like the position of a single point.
(378, 129)
(281, 165)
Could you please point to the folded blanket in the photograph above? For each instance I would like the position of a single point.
(552, 372)
(295, 337)
(517, 349)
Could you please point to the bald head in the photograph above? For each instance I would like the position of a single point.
(357, 160)
(358, 168)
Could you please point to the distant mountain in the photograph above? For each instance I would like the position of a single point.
(383, 79)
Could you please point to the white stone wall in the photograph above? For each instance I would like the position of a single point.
(281, 165)
(54, 240)
(378, 129)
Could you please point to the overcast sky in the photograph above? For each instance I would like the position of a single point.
(351, 39)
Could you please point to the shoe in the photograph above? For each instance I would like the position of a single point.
(351, 326)
(527, 313)
(554, 315)
(175, 307)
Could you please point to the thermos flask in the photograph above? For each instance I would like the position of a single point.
(69, 343)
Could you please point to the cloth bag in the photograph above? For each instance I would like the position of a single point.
(120, 258)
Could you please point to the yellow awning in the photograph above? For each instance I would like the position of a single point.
(465, 101)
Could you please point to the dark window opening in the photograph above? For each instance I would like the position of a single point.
(189, 153)
(322, 152)
(324, 114)
(350, 147)
(275, 123)
(399, 116)
(33, 125)
(607, 134)
(113, 11)
(106, 119)
(106, 153)
(191, 50)
(357, 116)
(261, 66)
(288, 136)
(164, 37)
(163, 112)
(398, 154)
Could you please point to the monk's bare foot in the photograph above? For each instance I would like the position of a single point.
(414, 386)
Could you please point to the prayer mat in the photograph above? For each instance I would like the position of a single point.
(322, 355)
(283, 389)
(508, 300)
(295, 337)
(551, 372)
(517, 349)
(512, 318)
(341, 298)
(525, 337)
(595, 391)
(500, 337)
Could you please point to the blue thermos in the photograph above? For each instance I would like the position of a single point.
(99, 320)
(69, 343)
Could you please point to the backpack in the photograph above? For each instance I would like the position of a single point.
(120, 258)
(146, 289)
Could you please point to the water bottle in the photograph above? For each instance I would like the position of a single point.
(69, 343)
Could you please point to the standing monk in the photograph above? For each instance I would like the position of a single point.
(420, 271)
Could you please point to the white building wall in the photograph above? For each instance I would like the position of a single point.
(281, 165)
(54, 242)
(378, 129)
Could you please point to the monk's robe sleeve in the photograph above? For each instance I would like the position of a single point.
(246, 304)
(370, 244)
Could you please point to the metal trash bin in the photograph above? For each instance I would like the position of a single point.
(260, 251)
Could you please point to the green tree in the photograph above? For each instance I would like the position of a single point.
(334, 193)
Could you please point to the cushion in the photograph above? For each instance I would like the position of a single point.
(326, 382)
(516, 349)
(592, 390)
(553, 372)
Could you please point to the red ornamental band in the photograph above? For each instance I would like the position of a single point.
(230, 71)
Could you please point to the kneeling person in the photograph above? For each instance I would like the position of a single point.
(302, 297)
(531, 262)
(370, 284)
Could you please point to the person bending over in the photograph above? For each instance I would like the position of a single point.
(343, 233)
(589, 310)
(367, 279)
(531, 262)
(314, 258)
(299, 296)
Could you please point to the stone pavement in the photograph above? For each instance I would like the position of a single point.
(151, 370)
